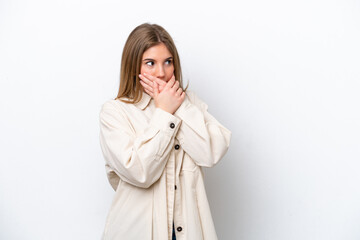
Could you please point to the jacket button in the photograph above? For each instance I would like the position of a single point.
(179, 229)
(175, 187)
(177, 146)
(172, 125)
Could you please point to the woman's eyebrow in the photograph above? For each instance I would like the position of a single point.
(150, 59)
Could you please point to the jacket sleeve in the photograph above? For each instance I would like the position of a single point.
(137, 158)
(201, 136)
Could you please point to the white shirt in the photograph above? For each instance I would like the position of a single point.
(153, 161)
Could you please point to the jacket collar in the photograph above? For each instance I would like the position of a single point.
(144, 101)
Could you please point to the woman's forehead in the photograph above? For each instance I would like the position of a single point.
(159, 51)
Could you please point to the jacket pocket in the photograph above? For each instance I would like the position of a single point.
(188, 164)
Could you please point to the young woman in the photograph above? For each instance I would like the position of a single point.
(155, 138)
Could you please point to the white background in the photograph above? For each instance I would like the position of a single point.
(283, 76)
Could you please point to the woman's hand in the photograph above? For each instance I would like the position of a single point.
(169, 98)
(147, 80)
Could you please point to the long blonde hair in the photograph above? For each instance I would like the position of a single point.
(140, 39)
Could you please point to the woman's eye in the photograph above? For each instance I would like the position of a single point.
(150, 63)
(168, 62)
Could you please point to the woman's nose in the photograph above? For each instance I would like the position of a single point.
(160, 73)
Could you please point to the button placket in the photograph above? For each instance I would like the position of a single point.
(171, 180)
(178, 218)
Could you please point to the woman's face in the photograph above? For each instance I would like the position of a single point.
(158, 62)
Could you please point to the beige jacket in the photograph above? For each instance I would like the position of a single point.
(153, 161)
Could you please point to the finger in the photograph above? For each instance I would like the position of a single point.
(170, 83)
(156, 89)
(152, 78)
(146, 86)
(182, 96)
(149, 79)
(172, 79)
(179, 91)
(146, 80)
(176, 85)
(150, 93)
(160, 82)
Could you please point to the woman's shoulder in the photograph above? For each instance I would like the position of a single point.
(195, 99)
(114, 112)
(114, 103)
(110, 103)
(113, 106)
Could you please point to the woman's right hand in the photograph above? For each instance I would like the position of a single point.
(170, 98)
